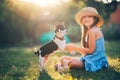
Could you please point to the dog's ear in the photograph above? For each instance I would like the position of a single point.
(62, 23)
(59, 23)
(56, 27)
(56, 23)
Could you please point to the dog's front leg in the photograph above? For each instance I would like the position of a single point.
(45, 60)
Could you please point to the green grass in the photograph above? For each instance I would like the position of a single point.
(21, 64)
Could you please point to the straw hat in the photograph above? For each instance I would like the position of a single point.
(88, 11)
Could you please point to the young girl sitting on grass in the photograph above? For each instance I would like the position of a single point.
(92, 50)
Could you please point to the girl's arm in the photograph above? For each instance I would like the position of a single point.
(84, 51)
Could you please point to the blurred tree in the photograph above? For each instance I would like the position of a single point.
(23, 23)
(115, 17)
(12, 30)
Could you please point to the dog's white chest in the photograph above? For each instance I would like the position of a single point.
(61, 43)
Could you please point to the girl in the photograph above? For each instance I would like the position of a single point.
(92, 50)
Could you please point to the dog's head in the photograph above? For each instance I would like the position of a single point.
(60, 29)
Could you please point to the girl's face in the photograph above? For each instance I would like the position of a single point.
(88, 21)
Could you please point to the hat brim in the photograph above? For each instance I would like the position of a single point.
(80, 14)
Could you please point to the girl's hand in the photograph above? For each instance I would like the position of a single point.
(70, 48)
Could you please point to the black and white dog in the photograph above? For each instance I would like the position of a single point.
(58, 43)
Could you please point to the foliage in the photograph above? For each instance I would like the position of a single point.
(13, 28)
(111, 32)
(20, 63)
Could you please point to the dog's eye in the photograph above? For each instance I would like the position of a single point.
(62, 28)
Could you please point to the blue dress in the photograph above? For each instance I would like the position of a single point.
(98, 59)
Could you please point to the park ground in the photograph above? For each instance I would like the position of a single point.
(20, 63)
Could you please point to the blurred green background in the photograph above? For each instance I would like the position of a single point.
(22, 23)
(25, 24)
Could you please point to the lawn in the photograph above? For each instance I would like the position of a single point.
(20, 63)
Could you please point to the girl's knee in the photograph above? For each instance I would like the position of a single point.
(75, 63)
(63, 58)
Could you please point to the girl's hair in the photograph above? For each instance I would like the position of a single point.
(84, 37)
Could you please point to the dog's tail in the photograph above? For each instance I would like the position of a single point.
(35, 50)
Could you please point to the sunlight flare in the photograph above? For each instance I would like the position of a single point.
(43, 3)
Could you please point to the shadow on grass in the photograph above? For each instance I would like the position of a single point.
(44, 76)
(104, 74)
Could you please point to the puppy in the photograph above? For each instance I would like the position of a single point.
(58, 43)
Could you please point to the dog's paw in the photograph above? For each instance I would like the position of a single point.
(57, 67)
